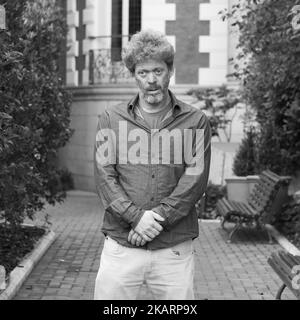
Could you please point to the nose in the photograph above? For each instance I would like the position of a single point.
(151, 78)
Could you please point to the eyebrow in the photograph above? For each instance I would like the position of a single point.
(158, 68)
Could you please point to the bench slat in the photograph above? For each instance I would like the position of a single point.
(268, 192)
(283, 266)
(287, 259)
(282, 263)
(271, 175)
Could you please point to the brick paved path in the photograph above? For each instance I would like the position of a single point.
(223, 271)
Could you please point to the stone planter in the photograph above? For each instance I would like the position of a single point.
(251, 181)
(240, 188)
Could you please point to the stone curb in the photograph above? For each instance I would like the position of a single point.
(20, 274)
(209, 220)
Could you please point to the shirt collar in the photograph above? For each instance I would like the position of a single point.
(176, 106)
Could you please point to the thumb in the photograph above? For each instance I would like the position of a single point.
(158, 217)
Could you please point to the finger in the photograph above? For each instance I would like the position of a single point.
(138, 241)
(157, 227)
(146, 238)
(134, 238)
(130, 235)
(158, 217)
(150, 234)
(153, 232)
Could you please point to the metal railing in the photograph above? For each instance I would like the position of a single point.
(106, 66)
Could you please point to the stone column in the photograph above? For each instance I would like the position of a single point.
(125, 22)
(215, 44)
(73, 52)
(97, 18)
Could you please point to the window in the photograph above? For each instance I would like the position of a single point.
(117, 32)
(135, 14)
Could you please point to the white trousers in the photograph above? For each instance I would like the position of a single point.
(167, 273)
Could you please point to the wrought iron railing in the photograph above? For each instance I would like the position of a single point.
(106, 66)
(103, 69)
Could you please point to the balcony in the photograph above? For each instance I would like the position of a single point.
(106, 66)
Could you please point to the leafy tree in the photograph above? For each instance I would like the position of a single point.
(34, 108)
(268, 68)
(221, 105)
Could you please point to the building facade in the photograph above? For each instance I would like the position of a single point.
(204, 43)
(99, 29)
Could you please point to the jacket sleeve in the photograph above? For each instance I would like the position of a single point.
(113, 197)
(192, 184)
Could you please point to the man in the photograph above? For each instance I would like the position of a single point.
(152, 159)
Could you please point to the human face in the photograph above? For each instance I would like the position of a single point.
(153, 78)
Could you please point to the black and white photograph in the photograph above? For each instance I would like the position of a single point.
(149, 153)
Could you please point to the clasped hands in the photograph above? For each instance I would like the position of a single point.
(147, 229)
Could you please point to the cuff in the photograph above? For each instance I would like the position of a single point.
(159, 210)
(133, 216)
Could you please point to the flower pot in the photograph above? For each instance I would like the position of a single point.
(251, 180)
(240, 188)
(237, 188)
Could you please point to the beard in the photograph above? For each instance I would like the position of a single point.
(154, 94)
(154, 98)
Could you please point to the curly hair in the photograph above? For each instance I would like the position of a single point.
(148, 44)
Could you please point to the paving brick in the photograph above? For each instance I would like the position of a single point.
(223, 271)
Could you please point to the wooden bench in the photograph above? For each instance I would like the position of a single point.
(283, 264)
(265, 201)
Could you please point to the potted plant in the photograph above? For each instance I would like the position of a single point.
(239, 187)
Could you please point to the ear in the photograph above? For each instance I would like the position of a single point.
(171, 72)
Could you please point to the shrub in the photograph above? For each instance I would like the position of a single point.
(15, 245)
(245, 162)
(288, 221)
(212, 194)
(219, 102)
(221, 105)
(66, 180)
(34, 109)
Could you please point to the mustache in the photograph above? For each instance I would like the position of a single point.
(153, 88)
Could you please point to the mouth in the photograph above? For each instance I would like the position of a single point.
(153, 91)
